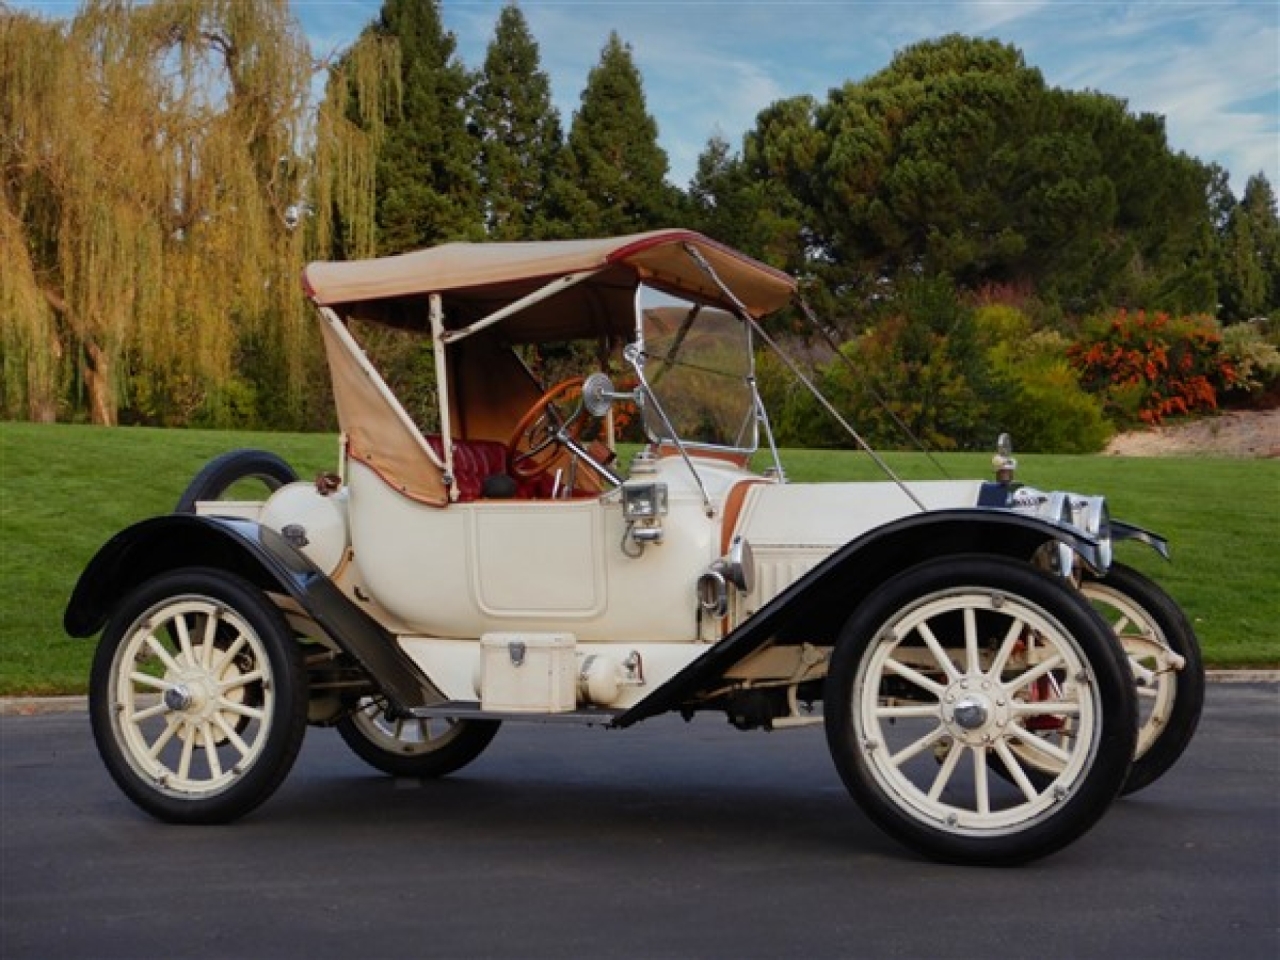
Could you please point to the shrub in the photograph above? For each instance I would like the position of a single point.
(1255, 360)
(1036, 395)
(1147, 367)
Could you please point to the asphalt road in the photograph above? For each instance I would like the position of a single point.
(665, 840)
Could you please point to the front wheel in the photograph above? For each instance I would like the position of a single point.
(957, 665)
(410, 746)
(198, 697)
(1164, 659)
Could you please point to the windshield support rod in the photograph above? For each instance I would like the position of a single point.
(542, 293)
(867, 384)
(826, 404)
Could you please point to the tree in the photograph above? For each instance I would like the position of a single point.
(149, 192)
(518, 130)
(1250, 254)
(957, 159)
(427, 188)
(613, 175)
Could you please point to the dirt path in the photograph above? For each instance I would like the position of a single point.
(1236, 433)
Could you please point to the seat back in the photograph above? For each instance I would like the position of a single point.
(473, 462)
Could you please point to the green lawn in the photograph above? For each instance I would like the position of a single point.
(64, 490)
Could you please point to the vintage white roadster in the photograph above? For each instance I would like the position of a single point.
(989, 681)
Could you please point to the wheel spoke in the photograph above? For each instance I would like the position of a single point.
(156, 647)
(147, 680)
(154, 710)
(1014, 769)
(1007, 646)
(939, 654)
(184, 761)
(981, 785)
(211, 754)
(1142, 675)
(229, 654)
(947, 770)
(241, 680)
(184, 639)
(920, 745)
(1035, 673)
(923, 711)
(171, 727)
(1046, 708)
(232, 737)
(972, 660)
(1040, 745)
(914, 676)
(208, 644)
(240, 709)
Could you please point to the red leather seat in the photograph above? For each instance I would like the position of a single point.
(473, 461)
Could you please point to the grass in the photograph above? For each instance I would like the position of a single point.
(65, 490)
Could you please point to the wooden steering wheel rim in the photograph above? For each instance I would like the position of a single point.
(530, 417)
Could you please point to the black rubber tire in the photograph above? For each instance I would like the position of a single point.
(275, 736)
(1104, 764)
(421, 758)
(1160, 755)
(222, 472)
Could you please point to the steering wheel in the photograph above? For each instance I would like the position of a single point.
(542, 431)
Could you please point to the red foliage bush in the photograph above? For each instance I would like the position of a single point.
(1151, 366)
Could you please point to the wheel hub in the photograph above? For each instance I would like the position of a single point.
(178, 697)
(971, 712)
(976, 710)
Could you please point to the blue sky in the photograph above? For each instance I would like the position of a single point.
(1212, 69)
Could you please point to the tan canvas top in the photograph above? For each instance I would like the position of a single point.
(475, 279)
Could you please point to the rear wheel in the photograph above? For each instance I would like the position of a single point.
(222, 473)
(411, 746)
(198, 697)
(944, 672)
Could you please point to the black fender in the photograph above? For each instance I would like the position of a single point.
(1127, 531)
(815, 607)
(264, 558)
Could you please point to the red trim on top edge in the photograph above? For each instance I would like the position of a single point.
(677, 236)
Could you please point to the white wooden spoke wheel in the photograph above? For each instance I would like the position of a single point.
(1164, 658)
(413, 746)
(952, 692)
(197, 697)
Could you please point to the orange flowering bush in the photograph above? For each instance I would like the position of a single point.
(1150, 366)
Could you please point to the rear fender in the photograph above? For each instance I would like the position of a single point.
(264, 558)
(814, 608)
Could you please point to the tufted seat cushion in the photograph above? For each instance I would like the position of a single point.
(473, 462)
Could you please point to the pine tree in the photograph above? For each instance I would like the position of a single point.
(427, 189)
(518, 130)
(1249, 269)
(754, 215)
(613, 178)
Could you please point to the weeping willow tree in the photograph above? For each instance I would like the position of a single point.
(154, 176)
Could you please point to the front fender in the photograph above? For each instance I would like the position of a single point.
(815, 607)
(259, 555)
(1128, 531)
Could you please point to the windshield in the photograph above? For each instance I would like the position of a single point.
(697, 362)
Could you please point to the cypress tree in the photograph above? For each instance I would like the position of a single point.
(427, 189)
(518, 130)
(613, 178)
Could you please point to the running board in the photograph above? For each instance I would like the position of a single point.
(471, 710)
